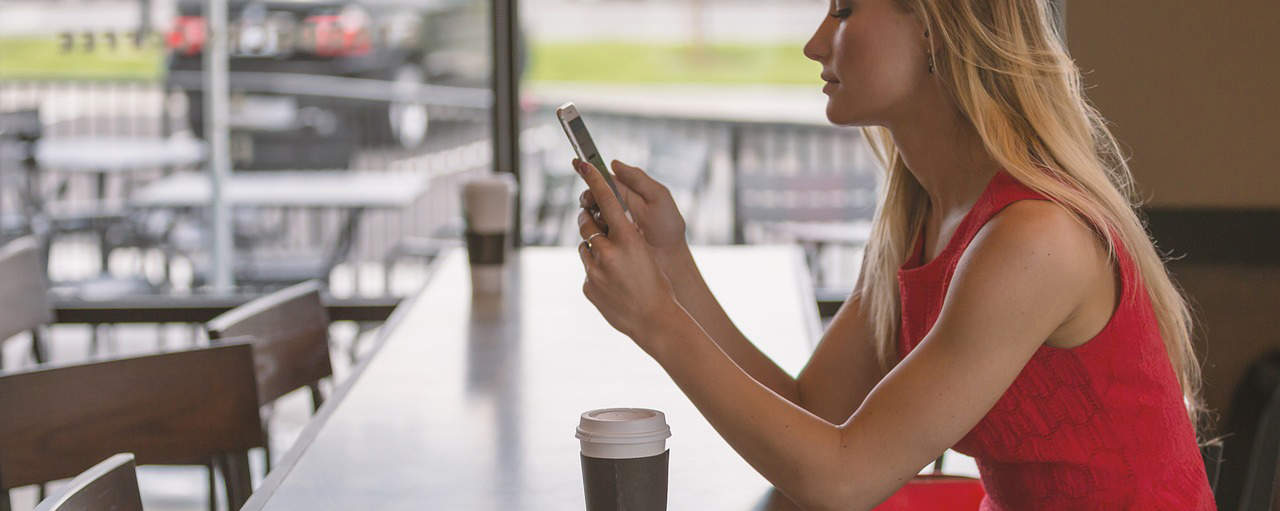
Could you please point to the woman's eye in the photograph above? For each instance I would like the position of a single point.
(841, 12)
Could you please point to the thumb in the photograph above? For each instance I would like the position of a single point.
(638, 180)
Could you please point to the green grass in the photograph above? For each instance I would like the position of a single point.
(44, 58)
(630, 63)
(603, 63)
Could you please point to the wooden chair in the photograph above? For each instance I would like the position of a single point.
(111, 484)
(1247, 479)
(289, 331)
(24, 301)
(181, 408)
(1262, 476)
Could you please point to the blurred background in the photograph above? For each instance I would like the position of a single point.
(351, 125)
(350, 128)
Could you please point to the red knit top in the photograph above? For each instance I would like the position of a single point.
(1098, 426)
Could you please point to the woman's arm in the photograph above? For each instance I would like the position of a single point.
(839, 373)
(1019, 280)
(693, 294)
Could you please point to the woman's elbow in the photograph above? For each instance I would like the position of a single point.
(830, 494)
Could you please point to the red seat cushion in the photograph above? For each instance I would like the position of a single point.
(942, 493)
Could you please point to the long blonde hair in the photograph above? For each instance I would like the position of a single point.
(1006, 69)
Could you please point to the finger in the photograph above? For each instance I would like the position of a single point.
(638, 181)
(628, 195)
(602, 252)
(588, 225)
(590, 266)
(586, 200)
(588, 260)
(610, 208)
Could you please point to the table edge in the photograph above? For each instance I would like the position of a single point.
(280, 470)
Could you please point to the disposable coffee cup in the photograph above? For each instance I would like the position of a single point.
(624, 459)
(487, 207)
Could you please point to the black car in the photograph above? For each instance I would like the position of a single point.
(286, 108)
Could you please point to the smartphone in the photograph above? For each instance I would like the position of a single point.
(581, 141)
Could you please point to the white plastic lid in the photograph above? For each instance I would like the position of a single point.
(488, 202)
(623, 432)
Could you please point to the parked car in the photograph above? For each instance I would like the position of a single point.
(278, 118)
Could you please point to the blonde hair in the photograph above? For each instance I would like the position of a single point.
(1006, 69)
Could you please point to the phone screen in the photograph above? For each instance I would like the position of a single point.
(592, 155)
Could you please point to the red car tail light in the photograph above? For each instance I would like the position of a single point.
(337, 35)
(187, 35)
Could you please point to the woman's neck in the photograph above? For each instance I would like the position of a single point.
(945, 154)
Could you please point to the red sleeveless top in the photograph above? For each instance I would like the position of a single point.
(1098, 426)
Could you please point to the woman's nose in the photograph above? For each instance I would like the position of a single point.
(817, 47)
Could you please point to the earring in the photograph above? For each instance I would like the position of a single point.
(926, 36)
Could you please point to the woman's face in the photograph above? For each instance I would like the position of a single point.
(874, 58)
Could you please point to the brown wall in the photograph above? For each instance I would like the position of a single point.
(1192, 89)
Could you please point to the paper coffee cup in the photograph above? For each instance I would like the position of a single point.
(624, 459)
(487, 210)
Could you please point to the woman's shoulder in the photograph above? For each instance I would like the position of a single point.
(1042, 239)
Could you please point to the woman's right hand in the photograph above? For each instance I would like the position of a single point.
(652, 208)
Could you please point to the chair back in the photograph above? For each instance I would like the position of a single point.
(1211, 453)
(24, 298)
(290, 331)
(1247, 478)
(1262, 478)
(110, 485)
(180, 408)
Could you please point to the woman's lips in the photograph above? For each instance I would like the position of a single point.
(832, 83)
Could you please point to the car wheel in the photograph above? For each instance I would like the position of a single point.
(405, 123)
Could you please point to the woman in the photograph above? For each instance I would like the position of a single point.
(1010, 303)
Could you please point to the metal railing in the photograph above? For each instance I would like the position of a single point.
(704, 160)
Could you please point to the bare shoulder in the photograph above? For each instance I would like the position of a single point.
(1034, 254)
(1041, 232)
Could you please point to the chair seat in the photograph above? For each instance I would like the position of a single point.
(936, 492)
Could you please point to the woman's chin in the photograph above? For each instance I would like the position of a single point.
(840, 116)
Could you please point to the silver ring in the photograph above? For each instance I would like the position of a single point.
(591, 237)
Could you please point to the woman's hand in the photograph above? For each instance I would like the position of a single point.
(651, 206)
(623, 279)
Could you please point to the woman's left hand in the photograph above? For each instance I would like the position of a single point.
(623, 279)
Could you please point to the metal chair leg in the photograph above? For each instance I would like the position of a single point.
(95, 339)
(236, 479)
(266, 456)
(37, 347)
(213, 488)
